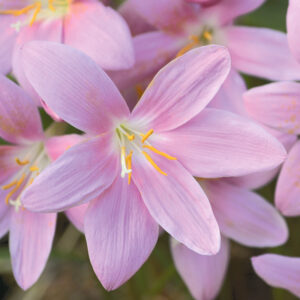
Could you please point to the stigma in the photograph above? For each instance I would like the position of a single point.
(136, 142)
(39, 10)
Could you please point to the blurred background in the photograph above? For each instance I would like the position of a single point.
(68, 274)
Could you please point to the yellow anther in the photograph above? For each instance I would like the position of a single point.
(157, 168)
(34, 168)
(18, 184)
(8, 186)
(130, 137)
(139, 90)
(194, 42)
(36, 12)
(22, 163)
(50, 5)
(160, 152)
(128, 163)
(207, 35)
(147, 135)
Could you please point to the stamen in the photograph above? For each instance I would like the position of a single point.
(194, 42)
(18, 12)
(22, 163)
(157, 168)
(160, 152)
(123, 163)
(34, 168)
(147, 135)
(18, 184)
(8, 186)
(128, 163)
(50, 5)
(207, 35)
(36, 12)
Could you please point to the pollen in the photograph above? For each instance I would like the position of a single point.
(147, 135)
(128, 163)
(160, 152)
(156, 167)
(22, 163)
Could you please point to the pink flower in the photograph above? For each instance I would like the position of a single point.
(168, 138)
(31, 234)
(242, 216)
(279, 271)
(97, 30)
(278, 105)
(182, 26)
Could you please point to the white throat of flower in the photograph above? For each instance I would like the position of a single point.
(32, 162)
(133, 141)
(38, 11)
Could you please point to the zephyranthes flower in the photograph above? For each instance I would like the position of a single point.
(137, 167)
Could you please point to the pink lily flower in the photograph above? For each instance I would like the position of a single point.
(182, 26)
(242, 216)
(134, 160)
(278, 105)
(88, 25)
(31, 234)
(279, 271)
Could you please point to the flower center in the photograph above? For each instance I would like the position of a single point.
(132, 141)
(39, 10)
(205, 38)
(30, 167)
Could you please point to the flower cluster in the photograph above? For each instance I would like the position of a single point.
(171, 139)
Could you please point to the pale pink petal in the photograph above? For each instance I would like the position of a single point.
(120, 233)
(135, 22)
(225, 11)
(230, 95)
(202, 274)
(287, 196)
(5, 215)
(8, 165)
(57, 145)
(261, 52)
(244, 216)
(78, 176)
(177, 203)
(152, 51)
(279, 271)
(166, 14)
(19, 117)
(276, 105)
(183, 88)
(7, 41)
(13, 4)
(101, 33)
(218, 143)
(49, 31)
(76, 215)
(258, 180)
(73, 86)
(293, 27)
(30, 242)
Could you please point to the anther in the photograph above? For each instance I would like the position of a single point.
(34, 168)
(36, 12)
(194, 42)
(160, 152)
(128, 163)
(22, 163)
(207, 35)
(157, 168)
(147, 135)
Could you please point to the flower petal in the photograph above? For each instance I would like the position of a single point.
(57, 145)
(202, 274)
(101, 33)
(279, 271)
(7, 41)
(220, 144)
(262, 52)
(165, 14)
(177, 203)
(120, 233)
(19, 117)
(152, 51)
(73, 86)
(78, 176)
(183, 88)
(293, 26)
(244, 216)
(5, 216)
(276, 105)
(287, 196)
(30, 242)
(76, 215)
